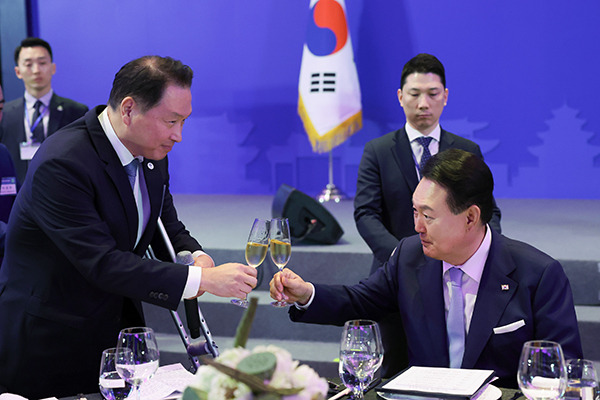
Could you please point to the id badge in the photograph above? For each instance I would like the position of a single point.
(8, 186)
(28, 150)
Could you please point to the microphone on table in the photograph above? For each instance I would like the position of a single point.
(191, 305)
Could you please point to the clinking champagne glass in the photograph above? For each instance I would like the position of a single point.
(281, 247)
(361, 354)
(542, 374)
(143, 360)
(256, 249)
(112, 386)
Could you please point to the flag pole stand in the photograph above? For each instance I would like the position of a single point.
(331, 192)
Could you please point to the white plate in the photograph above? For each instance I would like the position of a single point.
(490, 393)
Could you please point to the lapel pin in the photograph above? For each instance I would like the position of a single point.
(504, 287)
(150, 166)
(59, 108)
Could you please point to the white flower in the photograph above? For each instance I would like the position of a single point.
(288, 374)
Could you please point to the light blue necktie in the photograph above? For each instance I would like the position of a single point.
(456, 319)
(424, 141)
(131, 170)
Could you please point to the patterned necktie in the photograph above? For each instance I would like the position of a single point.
(456, 319)
(37, 135)
(424, 141)
(131, 170)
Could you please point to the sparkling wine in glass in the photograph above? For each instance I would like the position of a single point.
(361, 355)
(256, 249)
(112, 386)
(142, 362)
(542, 374)
(582, 382)
(281, 247)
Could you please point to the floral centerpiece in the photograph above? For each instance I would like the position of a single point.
(265, 373)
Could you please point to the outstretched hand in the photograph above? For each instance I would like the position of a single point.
(289, 287)
(228, 280)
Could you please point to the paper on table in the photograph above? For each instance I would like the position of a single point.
(452, 381)
(169, 381)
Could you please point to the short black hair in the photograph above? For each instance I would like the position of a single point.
(467, 179)
(146, 78)
(423, 63)
(32, 42)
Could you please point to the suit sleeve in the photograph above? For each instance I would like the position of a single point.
(372, 298)
(554, 311)
(368, 206)
(63, 204)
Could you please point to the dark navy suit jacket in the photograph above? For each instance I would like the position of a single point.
(386, 181)
(71, 277)
(519, 283)
(63, 111)
(7, 172)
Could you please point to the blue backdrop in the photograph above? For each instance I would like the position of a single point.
(521, 75)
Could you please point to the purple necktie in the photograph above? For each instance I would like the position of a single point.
(455, 324)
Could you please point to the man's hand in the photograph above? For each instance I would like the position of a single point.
(204, 261)
(289, 287)
(228, 280)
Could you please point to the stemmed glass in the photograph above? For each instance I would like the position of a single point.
(542, 374)
(582, 382)
(256, 249)
(280, 246)
(361, 354)
(141, 363)
(112, 386)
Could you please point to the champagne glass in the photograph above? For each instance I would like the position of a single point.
(142, 361)
(256, 249)
(542, 374)
(280, 246)
(581, 380)
(112, 386)
(361, 354)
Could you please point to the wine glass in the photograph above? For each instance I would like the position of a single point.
(141, 363)
(112, 386)
(581, 380)
(361, 354)
(280, 246)
(256, 249)
(542, 374)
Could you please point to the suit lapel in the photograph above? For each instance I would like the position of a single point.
(403, 154)
(495, 291)
(56, 114)
(17, 124)
(114, 170)
(432, 298)
(446, 141)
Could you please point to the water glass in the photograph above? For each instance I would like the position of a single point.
(144, 359)
(361, 355)
(542, 374)
(112, 386)
(582, 381)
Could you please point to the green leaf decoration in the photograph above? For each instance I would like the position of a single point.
(254, 383)
(243, 329)
(262, 365)
(191, 393)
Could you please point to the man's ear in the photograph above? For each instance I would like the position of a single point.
(473, 215)
(127, 109)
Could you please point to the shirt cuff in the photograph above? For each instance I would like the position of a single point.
(193, 282)
(312, 296)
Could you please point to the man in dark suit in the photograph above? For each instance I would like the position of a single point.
(73, 273)
(389, 173)
(507, 291)
(8, 187)
(35, 67)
